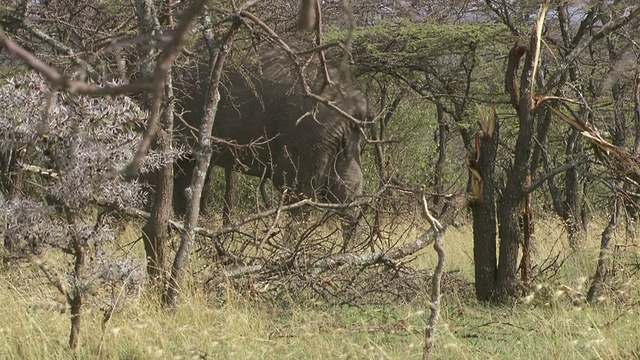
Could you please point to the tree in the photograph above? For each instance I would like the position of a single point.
(72, 144)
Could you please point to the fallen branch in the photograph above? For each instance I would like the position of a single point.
(389, 257)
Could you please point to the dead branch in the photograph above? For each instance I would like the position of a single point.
(388, 257)
(30, 27)
(511, 80)
(553, 172)
(273, 225)
(203, 157)
(62, 82)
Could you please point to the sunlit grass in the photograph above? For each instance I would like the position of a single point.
(551, 323)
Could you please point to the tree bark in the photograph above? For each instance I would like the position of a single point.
(605, 241)
(75, 299)
(484, 212)
(156, 231)
(510, 209)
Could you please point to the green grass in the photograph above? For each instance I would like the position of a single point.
(550, 324)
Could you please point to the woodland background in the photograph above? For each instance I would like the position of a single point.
(517, 123)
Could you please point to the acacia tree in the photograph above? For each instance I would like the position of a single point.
(71, 144)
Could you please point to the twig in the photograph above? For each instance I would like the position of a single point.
(273, 225)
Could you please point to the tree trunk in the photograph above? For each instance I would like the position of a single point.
(442, 156)
(156, 230)
(605, 241)
(484, 213)
(528, 238)
(203, 159)
(75, 299)
(573, 197)
(510, 209)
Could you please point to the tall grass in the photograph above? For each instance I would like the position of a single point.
(551, 323)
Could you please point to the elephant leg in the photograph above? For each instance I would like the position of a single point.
(229, 177)
(263, 193)
(183, 171)
(207, 192)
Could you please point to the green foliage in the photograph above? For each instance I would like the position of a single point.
(418, 40)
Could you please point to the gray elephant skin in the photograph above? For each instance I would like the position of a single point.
(269, 129)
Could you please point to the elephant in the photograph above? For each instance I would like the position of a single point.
(266, 127)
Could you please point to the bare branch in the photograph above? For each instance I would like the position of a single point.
(273, 225)
(62, 82)
(562, 168)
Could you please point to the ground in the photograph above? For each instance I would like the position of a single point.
(552, 322)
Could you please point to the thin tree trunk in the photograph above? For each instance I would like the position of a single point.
(75, 299)
(229, 180)
(442, 156)
(572, 189)
(156, 231)
(528, 238)
(605, 241)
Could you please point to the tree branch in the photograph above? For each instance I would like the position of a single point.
(562, 168)
(62, 82)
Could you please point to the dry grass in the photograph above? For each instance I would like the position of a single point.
(551, 323)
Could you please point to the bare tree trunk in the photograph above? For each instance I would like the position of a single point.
(438, 246)
(75, 298)
(528, 238)
(510, 209)
(632, 208)
(307, 15)
(156, 230)
(203, 159)
(484, 210)
(381, 161)
(573, 196)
